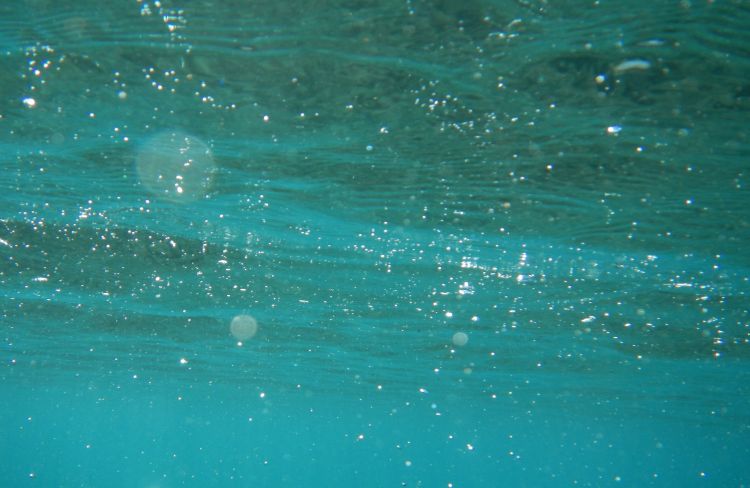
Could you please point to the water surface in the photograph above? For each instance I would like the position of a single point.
(486, 243)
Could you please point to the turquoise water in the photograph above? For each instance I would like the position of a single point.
(374, 243)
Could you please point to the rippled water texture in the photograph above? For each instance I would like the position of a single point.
(437, 243)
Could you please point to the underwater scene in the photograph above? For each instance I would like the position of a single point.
(374, 243)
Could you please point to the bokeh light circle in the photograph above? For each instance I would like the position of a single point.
(243, 327)
(175, 166)
(460, 339)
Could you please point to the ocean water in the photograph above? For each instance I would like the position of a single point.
(374, 243)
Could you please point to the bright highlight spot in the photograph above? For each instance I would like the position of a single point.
(243, 327)
(175, 166)
(632, 65)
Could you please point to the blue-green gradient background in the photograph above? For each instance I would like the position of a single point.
(565, 183)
